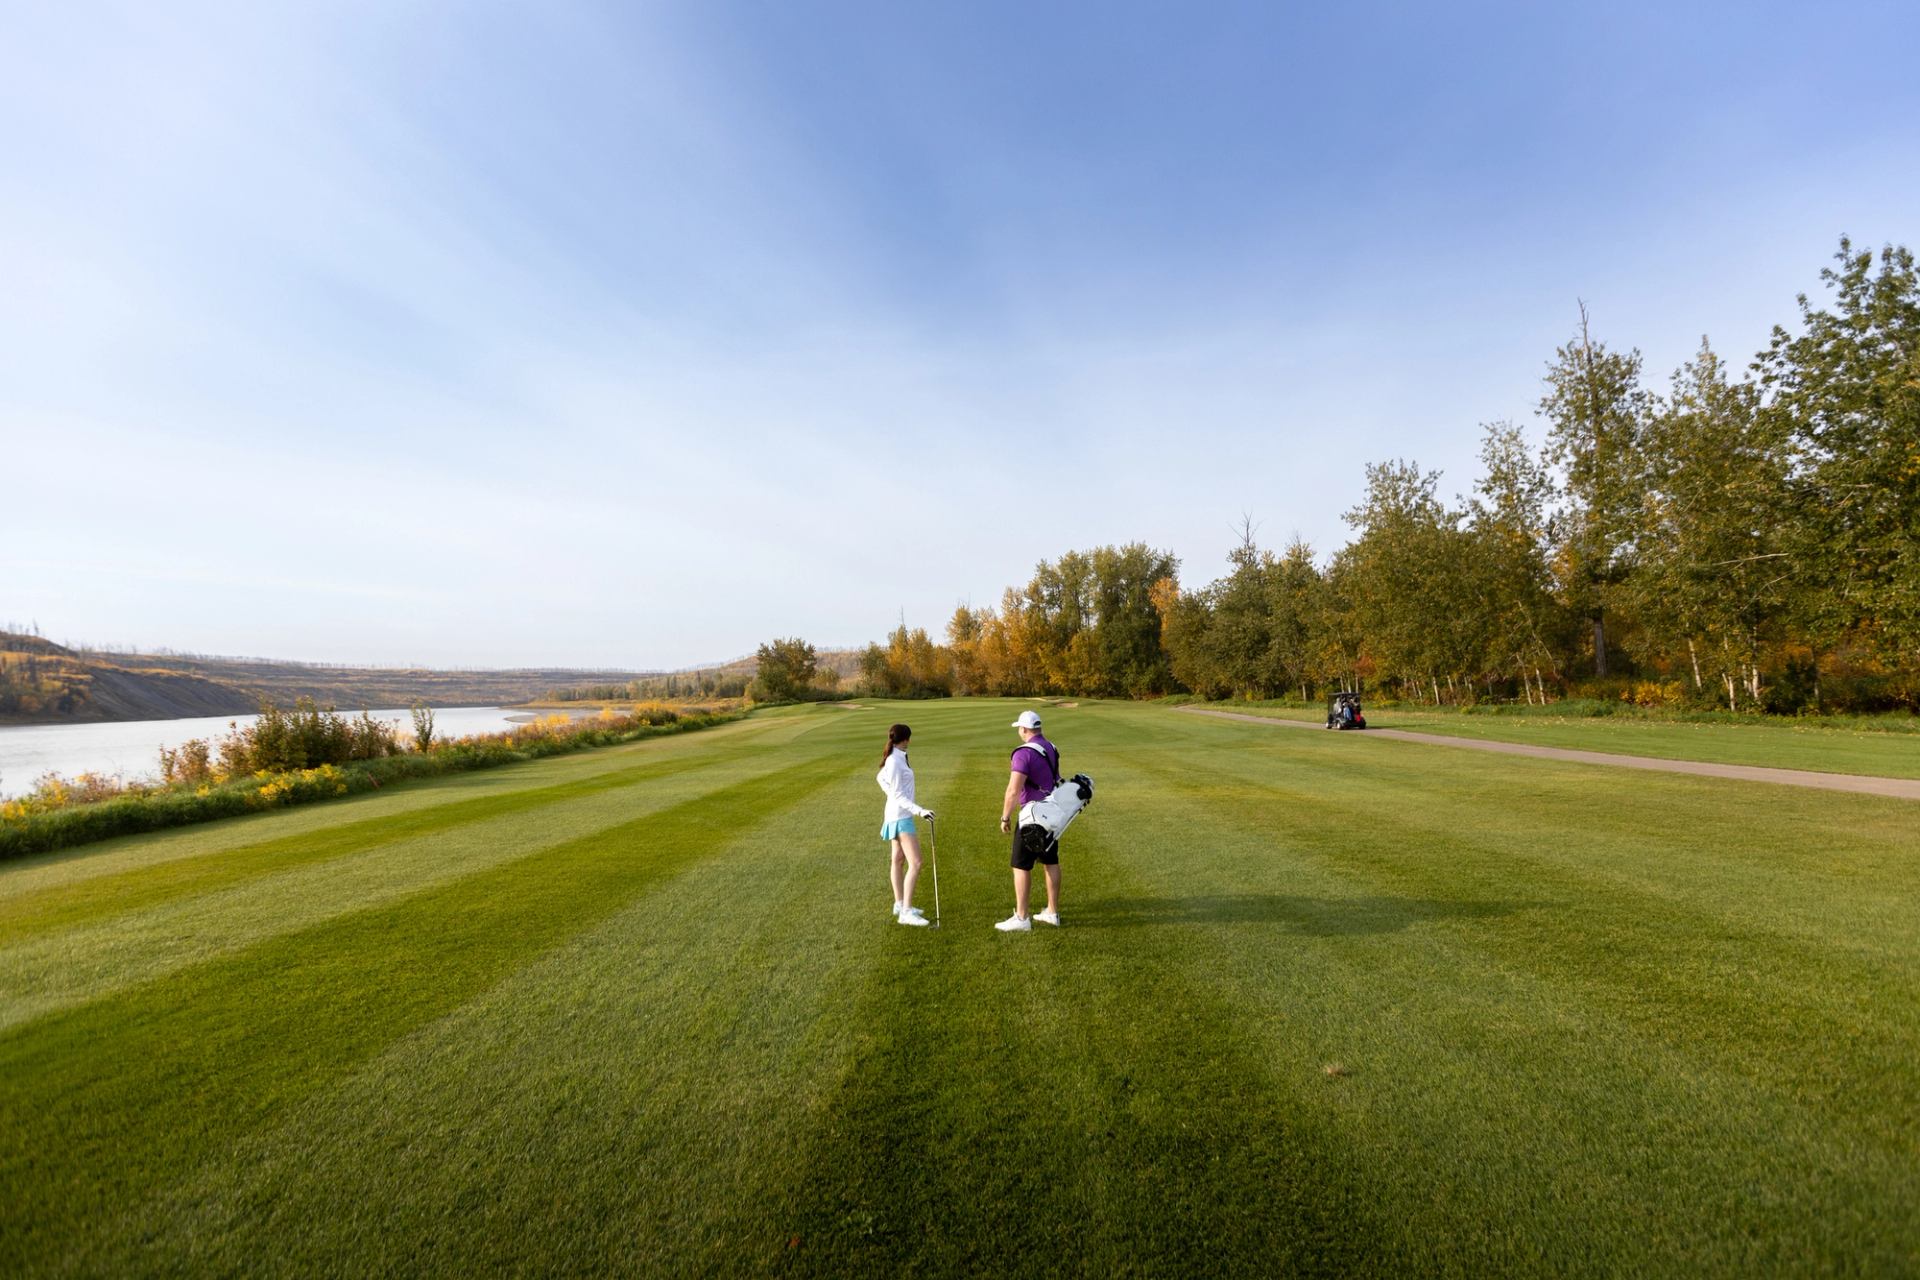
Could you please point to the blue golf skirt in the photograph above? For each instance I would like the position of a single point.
(899, 827)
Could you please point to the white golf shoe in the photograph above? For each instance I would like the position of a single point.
(1048, 917)
(1016, 924)
(912, 916)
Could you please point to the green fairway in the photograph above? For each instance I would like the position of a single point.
(1775, 743)
(1316, 1007)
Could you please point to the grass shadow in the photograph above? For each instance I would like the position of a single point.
(1310, 917)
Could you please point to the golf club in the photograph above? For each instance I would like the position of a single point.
(933, 856)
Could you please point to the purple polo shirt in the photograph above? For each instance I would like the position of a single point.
(1040, 775)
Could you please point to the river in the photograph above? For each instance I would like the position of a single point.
(131, 748)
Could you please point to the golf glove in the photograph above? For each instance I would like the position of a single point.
(927, 814)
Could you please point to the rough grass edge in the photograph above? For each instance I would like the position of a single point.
(185, 806)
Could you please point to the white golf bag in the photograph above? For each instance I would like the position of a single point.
(1043, 821)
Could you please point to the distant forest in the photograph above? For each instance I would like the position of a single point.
(1747, 538)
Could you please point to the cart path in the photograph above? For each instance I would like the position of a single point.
(1866, 784)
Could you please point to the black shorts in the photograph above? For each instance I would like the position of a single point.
(1023, 861)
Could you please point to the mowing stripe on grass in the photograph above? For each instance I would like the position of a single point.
(1042, 1123)
(606, 1109)
(1615, 1031)
(66, 905)
(1554, 1134)
(1793, 1009)
(1798, 850)
(1831, 869)
(29, 874)
(70, 967)
(200, 1058)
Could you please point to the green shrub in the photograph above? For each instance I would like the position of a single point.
(304, 737)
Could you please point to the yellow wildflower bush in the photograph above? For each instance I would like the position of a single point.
(297, 785)
(52, 792)
(1654, 693)
(190, 762)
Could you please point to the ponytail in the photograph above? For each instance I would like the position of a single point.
(897, 736)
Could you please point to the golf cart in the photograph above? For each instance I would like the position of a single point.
(1343, 711)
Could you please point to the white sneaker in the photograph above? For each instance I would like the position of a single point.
(1015, 924)
(1048, 917)
(910, 916)
(896, 908)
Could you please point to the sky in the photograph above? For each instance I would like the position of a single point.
(635, 335)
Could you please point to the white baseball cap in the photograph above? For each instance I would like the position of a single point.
(1027, 720)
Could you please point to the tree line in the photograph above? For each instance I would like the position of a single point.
(1745, 537)
(669, 686)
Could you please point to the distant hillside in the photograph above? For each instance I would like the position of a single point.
(45, 683)
(354, 688)
(719, 679)
(843, 662)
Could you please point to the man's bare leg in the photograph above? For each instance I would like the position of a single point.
(1022, 886)
(1053, 889)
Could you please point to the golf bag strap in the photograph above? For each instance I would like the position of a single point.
(1053, 761)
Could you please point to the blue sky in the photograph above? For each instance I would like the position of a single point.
(638, 334)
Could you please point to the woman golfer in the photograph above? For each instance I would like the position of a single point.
(897, 829)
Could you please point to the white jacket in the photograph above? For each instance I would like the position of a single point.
(896, 779)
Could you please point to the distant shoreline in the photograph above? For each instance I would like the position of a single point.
(523, 713)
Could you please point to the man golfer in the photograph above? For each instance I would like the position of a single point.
(1035, 771)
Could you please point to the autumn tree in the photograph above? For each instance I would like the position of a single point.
(1089, 621)
(1596, 412)
(1409, 578)
(911, 665)
(1251, 632)
(1128, 657)
(1508, 517)
(1187, 635)
(1297, 609)
(1241, 633)
(966, 631)
(1845, 392)
(1712, 572)
(786, 670)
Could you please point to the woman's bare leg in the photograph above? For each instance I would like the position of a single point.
(910, 847)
